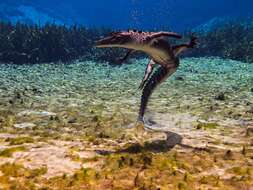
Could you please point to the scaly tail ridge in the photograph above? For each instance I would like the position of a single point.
(157, 78)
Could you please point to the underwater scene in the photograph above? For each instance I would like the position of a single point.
(126, 95)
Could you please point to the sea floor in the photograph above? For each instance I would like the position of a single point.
(73, 126)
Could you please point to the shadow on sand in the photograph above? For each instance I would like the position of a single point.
(172, 139)
(157, 146)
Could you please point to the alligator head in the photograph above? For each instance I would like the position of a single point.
(115, 39)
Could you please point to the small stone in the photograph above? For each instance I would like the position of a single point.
(249, 131)
(248, 103)
(36, 90)
(228, 155)
(220, 96)
(18, 95)
(11, 102)
(38, 113)
(180, 78)
(54, 118)
(250, 110)
(45, 113)
(244, 151)
(24, 125)
(72, 120)
(95, 118)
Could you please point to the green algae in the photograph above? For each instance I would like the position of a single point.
(182, 186)
(15, 171)
(124, 171)
(37, 172)
(12, 170)
(19, 140)
(206, 126)
(9, 122)
(9, 151)
(241, 171)
(211, 179)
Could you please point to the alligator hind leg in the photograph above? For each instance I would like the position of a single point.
(148, 72)
(157, 78)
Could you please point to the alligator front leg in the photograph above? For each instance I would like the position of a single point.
(182, 47)
(123, 59)
(148, 72)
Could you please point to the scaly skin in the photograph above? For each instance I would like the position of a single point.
(157, 47)
(157, 78)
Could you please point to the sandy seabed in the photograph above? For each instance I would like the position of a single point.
(71, 126)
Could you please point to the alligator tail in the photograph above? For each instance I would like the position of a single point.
(157, 78)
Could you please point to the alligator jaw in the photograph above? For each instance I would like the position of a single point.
(117, 39)
(106, 46)
(106, 42)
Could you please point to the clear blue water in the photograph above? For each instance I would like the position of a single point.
(144, 14)
(73, 125)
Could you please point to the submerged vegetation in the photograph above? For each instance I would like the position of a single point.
(233, 40)
(22, 43)
(9, 151)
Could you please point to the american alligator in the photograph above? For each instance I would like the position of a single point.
(158, 48)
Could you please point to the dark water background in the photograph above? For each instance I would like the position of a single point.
(145, 14)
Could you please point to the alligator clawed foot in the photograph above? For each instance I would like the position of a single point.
(194, 41)
(140, 131)
(143, 129)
